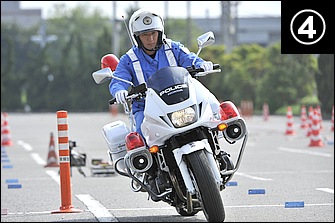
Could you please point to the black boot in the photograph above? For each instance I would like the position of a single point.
(153, 187)
(225, 161)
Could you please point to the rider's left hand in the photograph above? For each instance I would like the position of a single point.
(207, 65)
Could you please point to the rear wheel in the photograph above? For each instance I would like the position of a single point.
(207, 190)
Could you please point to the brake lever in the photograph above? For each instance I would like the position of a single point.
(201, 74)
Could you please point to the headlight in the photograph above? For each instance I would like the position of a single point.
(183, 117)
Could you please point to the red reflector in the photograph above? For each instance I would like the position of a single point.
(133, 141)
(228, 110)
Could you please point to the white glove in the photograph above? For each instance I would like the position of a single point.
(207, 65)
(121, 96)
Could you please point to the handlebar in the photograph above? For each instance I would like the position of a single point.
(134, 93)
(216, 66)
(139, 91)
(195, 72)
(112, 101)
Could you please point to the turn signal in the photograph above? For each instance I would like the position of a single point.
(154, 149)
(222, 126)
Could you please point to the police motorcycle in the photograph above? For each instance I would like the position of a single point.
(182, 128)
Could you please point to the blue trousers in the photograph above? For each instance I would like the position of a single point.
(139, 116)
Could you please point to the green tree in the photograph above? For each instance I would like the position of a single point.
(325, 82)
(59, 76)
(289, 78)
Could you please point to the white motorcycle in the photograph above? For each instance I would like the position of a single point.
(183, 124)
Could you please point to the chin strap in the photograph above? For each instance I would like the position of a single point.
(153, 49)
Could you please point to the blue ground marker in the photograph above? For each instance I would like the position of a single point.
(231, 183)
(5, 161)
(294, 204)
(256, 191)
(8, 181)
(14, 186)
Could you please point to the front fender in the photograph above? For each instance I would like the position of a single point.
(189, 148)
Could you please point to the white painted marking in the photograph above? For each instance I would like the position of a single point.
(305, 152)
(97, 209)
(26, 146)
(328, 190)
(38, 159)
(253, 177)
(54, 175)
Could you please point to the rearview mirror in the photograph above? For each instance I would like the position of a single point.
(206, 39)
(102, 75)
(106, 74)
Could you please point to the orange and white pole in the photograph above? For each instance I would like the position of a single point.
(332, 121)
(64, 164)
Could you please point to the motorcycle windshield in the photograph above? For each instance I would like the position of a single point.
(171, 84)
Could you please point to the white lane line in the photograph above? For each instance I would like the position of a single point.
(26, 146)
(328, 190)
(97, 209)
(305, 152)
(170, 208)
(274, 205)
(253, 177)
(35, 156)
(54, 175)
(38, 159)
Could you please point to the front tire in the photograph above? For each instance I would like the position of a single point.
(207, 190)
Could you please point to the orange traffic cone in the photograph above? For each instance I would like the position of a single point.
(52, 156)
(5, 131)
(315, 134)
(303, 117)
(289, 115)
(310, 120)
(265, 111)
(332, 126)
(114, 109)
(320, 116)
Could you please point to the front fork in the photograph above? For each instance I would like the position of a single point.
(189, 148)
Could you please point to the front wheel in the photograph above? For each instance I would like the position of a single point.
(207, 191)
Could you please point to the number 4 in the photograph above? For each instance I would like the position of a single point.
(310, 31)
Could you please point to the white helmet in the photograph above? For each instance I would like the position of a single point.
(143, 21)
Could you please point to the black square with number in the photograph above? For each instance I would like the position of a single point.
(306, 28)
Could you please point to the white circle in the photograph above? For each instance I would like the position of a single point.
(323, 32)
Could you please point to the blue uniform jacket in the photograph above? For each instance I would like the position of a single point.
(149, 65)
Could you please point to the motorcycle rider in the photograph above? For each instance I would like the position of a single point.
(151, 52)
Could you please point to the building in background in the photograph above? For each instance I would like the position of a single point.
(260, 30)
(27, 18)
(228, 29)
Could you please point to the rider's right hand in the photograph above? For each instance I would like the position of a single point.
(121, 96)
